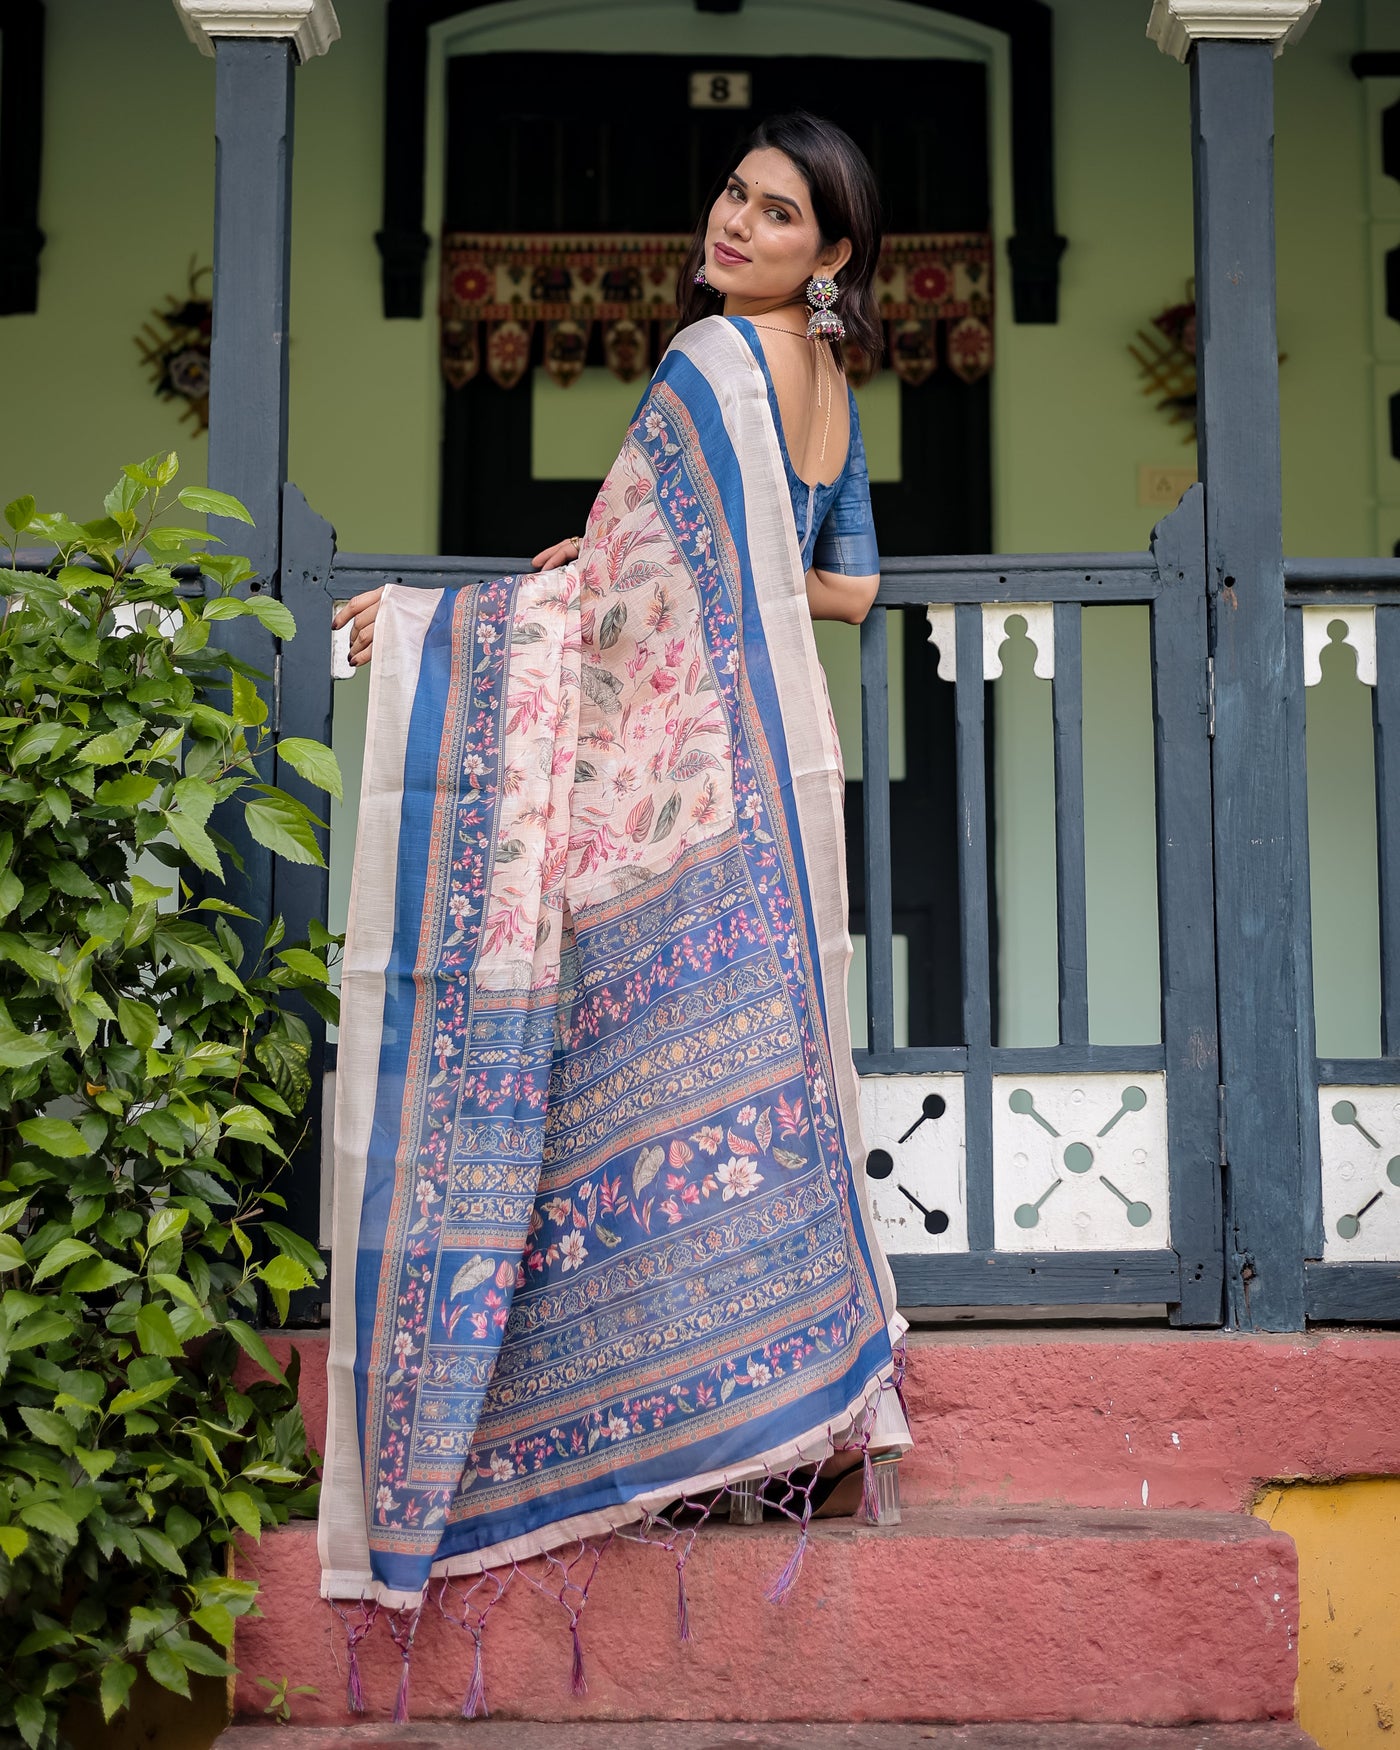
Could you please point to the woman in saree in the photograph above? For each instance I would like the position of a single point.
(601, 1241)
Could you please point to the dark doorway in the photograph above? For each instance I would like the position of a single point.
(559, 143)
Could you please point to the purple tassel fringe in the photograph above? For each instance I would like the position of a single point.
(578, 1682)
(474, 1707)
(870, 1497)
(781, 1589)
(354, 1689)
(682, 1604)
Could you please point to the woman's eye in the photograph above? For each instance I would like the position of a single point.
(777, 213)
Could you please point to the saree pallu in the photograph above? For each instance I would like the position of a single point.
(599, 1236)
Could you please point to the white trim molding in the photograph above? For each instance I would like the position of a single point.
(311, 25)
(1176, 25)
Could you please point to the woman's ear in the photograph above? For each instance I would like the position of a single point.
(834, 257)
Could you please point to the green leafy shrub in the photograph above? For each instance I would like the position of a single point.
(152, 1081)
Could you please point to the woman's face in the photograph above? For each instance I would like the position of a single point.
(762, 244)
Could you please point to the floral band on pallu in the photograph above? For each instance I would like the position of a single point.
(600, 1234)
(497, 289)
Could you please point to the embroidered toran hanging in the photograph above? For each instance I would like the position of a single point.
(497, 289)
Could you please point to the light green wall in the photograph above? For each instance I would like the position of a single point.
(126, 205)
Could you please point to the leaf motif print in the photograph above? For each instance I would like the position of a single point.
(606, 1235)
(601, 686)
(472, 1274)
(592, 1209)
(786, 1158)
(763, 1130)
(649, 1163)
(690, 765)
(639, 820)
(611, 629)
(666, 820)
(641, 571)
(681, 1153)
(529, 633)
(637, 493)
(585, 773)
(741, 1145)
(510, 851)
(692, 674)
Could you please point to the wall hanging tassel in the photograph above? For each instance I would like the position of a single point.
(578, 1682)
(474, 1707)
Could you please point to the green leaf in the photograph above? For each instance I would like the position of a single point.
(14, 1541)
(155, 1333)
(92, 1278)
(196, 843)
(195, 1656)
(28, 958)
(45, 1326)
(163, 1223)
(277, 618)
(43, 738)
(242, 1509)
(56, 1136)
(309, 965)
(117, 1679)
(313, 761)
(252, 1345)
(30, 1716)
(277, 822)
(95, 1462)
(128, 791)
(297, 1247)
(11, 1253)
(249, 706)
(168, 1671)
(138, 1021)
(159, 1547)
(111, 746)
(11, 892)
(66, 1252)
(216, 1620)
(49, 1517)
(285, 1274)
(48, 1426)
(136, 1396)
(210, 503)
(18, 513)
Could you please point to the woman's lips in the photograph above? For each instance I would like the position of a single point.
(730, 257)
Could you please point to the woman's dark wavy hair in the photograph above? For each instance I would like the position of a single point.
(845, 203)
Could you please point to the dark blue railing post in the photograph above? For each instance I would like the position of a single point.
(255, 59)
(254, 92)
(1255, 847)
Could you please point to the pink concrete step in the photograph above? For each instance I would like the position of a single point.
(1115, 1419)
(499, 1735)
(957, 1615)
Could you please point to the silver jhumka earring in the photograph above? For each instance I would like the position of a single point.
(824, 323)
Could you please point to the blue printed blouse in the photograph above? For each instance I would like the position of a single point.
(835, 528)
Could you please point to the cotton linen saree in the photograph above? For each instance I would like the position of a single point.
(599, 1231)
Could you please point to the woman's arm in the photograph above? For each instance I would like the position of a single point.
(832, 596)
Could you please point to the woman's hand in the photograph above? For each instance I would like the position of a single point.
(362, 610)
(561, 553)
